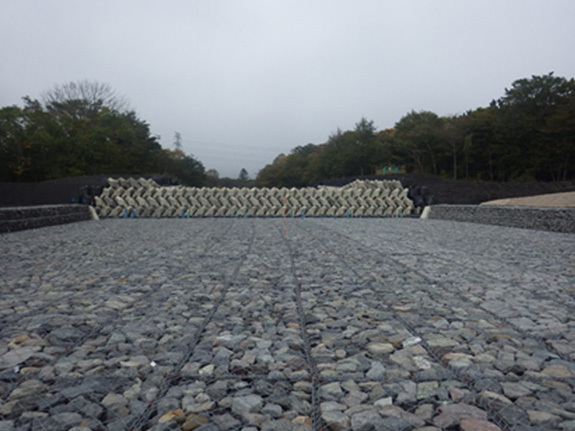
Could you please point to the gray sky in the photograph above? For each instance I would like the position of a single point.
(243, 81)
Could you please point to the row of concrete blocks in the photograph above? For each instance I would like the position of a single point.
(126, 183)
(374, 184)
(144, 201)
(265, 211)
(264, 193)
(252, 201)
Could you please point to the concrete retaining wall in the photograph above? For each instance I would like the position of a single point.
(21, 218)
(549, 219)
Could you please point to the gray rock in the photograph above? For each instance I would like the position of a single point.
(330, 391)
(222, 356)
(336, 420)
(327, 406)
(426, 389)
(218, 389)
(514, 414)
(65, 335)
(354, 398)
(539, 418)
(299, 405)
(515, 390)
(114, 401)
(7, 425)
(167, 404)
(247, 404)
(398, 412)
(366, 420)
(263, 387)
(225, 421)
(408, 393)
(451, 414)
(279, 425)
(67, 420)
(376, 371)
(564, 426)
(27, 389)
(273, 410)
(394, 424)
(17, 356)
(442, 345)
(425, 411)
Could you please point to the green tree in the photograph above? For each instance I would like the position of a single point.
(385, 151)
(453, 136)
(537, 96)
(244, 176)
(529, 133)
(15, 157)
(560, 129)
(418, 136)
(348, 153)
(523, 118)
(296, 169)
(186, 169)
(83, 129)
(481, 149)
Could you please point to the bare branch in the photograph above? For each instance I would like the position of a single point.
(92, 92)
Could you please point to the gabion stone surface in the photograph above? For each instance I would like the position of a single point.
(32, 217)
(550, 219)
(296, 324)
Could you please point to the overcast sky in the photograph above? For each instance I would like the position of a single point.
(245, 80)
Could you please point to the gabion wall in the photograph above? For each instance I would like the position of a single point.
(549, 219)
(22, 218)
(145, 198)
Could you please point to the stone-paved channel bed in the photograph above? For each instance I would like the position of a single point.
(253, 324)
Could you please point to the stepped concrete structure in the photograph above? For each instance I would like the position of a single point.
(144, 198)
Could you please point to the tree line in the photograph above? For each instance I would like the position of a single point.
(526, 135)
(84, 128)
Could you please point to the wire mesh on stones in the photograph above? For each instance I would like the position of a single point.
(271, 336)
(145, 198)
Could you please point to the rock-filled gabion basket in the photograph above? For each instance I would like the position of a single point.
(145, 198)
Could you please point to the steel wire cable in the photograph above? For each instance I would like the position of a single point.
(315, 416)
